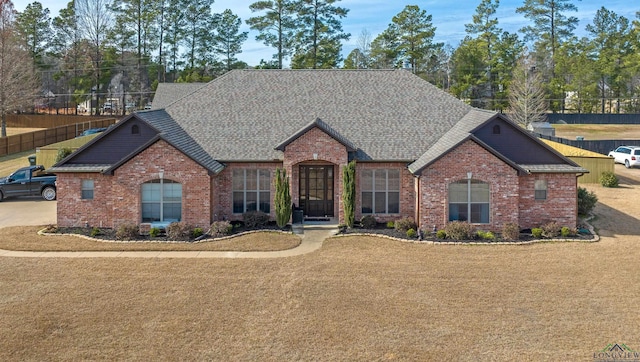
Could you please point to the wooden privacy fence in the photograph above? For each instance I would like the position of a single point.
(29, 141)
(47, 120)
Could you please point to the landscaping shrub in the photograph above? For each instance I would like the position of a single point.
(179, 231)
(368, 222)
(551, 229)
(411, 233)
(255, 219)
(349, 192)
(586, 201)
(565, 232)
(221, 228)
(536, 232)
(154, 232)
(95, 232)
(608, 179)
(127, 232)
(63, 152)
(485, 235)
(391, 225)
(459, 230)
(403, 225)
(510, 231)
(197, 232)
(441, 234)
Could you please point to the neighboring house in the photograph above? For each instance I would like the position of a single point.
(421, 153)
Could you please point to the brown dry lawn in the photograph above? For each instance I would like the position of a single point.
(598, 131)
(355, 299)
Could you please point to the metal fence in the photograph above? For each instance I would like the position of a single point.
(589, 118)
(600, 146)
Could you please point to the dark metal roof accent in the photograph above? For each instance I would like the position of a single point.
(323, 126)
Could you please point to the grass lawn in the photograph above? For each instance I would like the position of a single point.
(12, 162)
(598, 131)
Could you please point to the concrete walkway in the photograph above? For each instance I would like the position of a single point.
(312, 234)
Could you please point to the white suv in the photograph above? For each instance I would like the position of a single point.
(628, 155)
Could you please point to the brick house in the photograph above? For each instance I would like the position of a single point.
(210, 151)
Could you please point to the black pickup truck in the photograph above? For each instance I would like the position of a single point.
(26, 181)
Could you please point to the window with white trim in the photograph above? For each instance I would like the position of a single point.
(87, 188)
(380, 191)
(251, 190)
(469, 201)
(161, 201)
(540, 187)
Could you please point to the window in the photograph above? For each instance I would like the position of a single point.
(469, 201)
(161, 201)
(496, 129)
(135, 129)
(87, 190)
(380, 191)
(540, 189)
(251, 190)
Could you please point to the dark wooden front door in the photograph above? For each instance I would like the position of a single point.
(316, 190)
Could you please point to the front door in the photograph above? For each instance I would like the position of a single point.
(316, 190)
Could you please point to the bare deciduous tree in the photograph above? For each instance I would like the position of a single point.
(18, 83)
(526, 94)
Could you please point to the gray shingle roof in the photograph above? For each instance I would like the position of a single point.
(167, 93)
(387, 114)
(176, 136)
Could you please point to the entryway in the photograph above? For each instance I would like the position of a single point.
(316, 190)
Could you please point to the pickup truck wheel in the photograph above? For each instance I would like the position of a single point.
(49, 193)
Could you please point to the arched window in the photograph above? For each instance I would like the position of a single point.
(496, 129)
(469, 201)
(135, 129)
(161, 201)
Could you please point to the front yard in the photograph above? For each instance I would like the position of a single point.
(357, 298)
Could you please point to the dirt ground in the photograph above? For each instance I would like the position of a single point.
(355, 299)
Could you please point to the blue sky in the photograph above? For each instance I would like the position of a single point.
(449, 18)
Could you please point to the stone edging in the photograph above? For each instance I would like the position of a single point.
(596, 238)
(42, 232)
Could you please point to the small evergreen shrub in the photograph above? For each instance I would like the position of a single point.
(441, 234)
(368, 222)
(196, 232)
(391, 225)
(485, 235)
(608, 179)
(551, 229)
(127, 232)
(255, 219)
(221, 228)
(536, 232)
(179, 231)
(586, 201)
(510, 231)
(402, 225)
(63, 152)
(411, 233)
(95, 232)
(459, 230)
(154, 232)
(566, 232)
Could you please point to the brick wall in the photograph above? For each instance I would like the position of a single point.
(315, 147)
(560, 205)
(484, 166)
(117, 198)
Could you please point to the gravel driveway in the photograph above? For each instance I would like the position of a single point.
(24, 211)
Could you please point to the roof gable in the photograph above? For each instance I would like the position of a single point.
(318, 123)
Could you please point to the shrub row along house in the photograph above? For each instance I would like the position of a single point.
(209, 152)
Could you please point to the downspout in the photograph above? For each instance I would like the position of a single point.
(417, 203)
